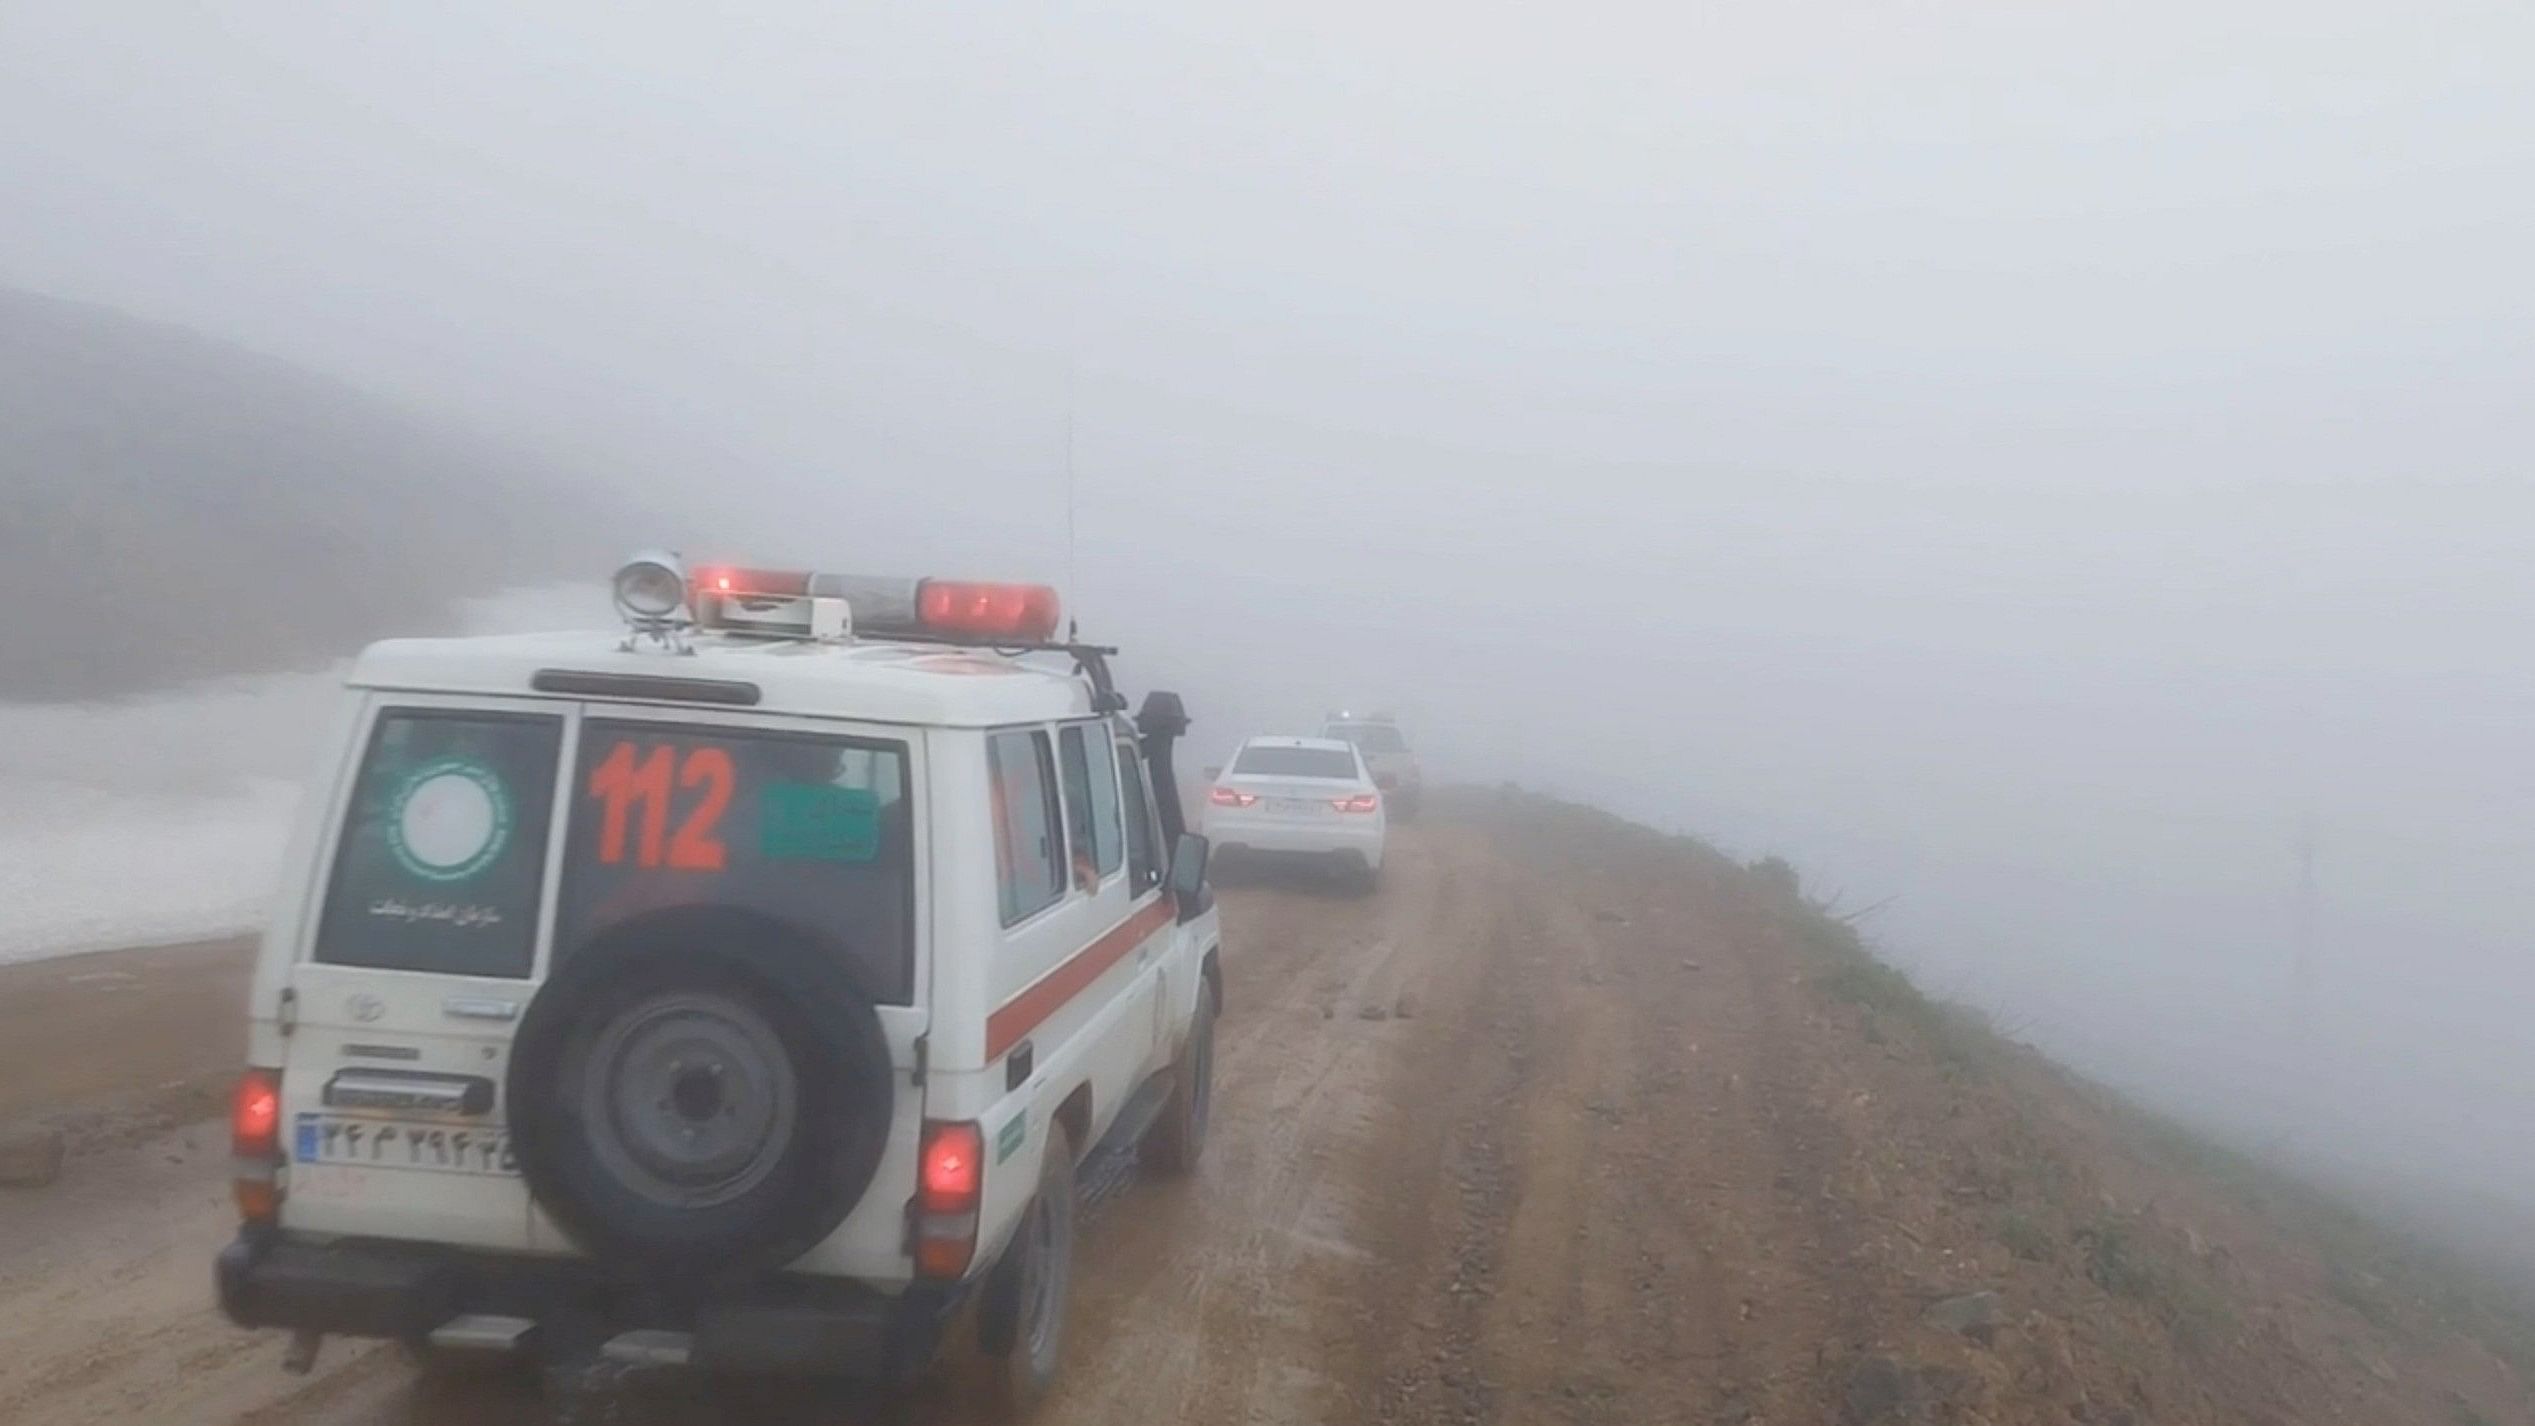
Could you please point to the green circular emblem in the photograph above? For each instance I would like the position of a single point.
(449, 820)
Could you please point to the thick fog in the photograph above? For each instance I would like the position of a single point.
(2066, 469)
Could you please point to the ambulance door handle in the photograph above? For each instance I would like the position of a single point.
(479, 1007)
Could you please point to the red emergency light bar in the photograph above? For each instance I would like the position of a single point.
(790, 583)
(1024, 612)
(784, 603)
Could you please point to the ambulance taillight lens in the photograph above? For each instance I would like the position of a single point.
(255, 1114)
(953, 1170)
(255, 1142)
(950, 1182)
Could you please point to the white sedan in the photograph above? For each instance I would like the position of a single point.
(1299, 798)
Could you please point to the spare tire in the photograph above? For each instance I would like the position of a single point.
(701, 1094)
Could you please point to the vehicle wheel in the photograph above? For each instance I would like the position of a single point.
(701, 1095)
(1179, 1136)
(1368, 876)
(1021, 1322)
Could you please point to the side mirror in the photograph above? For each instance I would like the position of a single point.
(1188, 873)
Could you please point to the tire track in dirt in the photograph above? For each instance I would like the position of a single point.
(1783, 1234)
(1746, 1252)
(1444, 1376)
(1578, 1316)
(1220, 1315)
(105, 1295)
(1636, 1165)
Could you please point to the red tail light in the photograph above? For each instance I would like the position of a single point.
(255, 1140)
(1226, 797)
(255, 1114)
(1361, 802)
(950, 1181)
(953, 1168)
(1023, 613)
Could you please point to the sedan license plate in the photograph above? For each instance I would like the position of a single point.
(394, 1144)
(1300, 804)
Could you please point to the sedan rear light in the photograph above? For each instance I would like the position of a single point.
(950, 1183)
(1361, 802)
(255, 1144)
(1226, 797)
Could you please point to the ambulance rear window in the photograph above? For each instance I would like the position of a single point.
(1272, 760)
(807, 828)
(444, 844)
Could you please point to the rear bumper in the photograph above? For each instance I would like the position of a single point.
(1238, 833)
(787, 1325)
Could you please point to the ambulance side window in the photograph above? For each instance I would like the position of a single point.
(1091, 802)
(1029, 841)
(1107, 833)
(1144, 861)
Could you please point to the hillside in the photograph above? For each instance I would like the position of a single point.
(178, 507)
(2033, 1248)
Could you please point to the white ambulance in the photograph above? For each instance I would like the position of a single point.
(738, 989)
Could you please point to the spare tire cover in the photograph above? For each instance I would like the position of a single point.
(699, 1095)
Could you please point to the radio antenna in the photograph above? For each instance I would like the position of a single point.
(1073, 588)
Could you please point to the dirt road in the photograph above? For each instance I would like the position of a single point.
(1551, 1129)
(1399, 1076)
(114, 1042)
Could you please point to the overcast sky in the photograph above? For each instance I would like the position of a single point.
(2032, 459)
(1939, 233)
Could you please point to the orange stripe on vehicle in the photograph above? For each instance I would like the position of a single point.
(1050, 993)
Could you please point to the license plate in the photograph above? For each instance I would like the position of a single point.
(1300, 804)
(395, 1144)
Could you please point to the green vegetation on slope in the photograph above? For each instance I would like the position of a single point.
(2005, 1241)
(2264, 1286)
